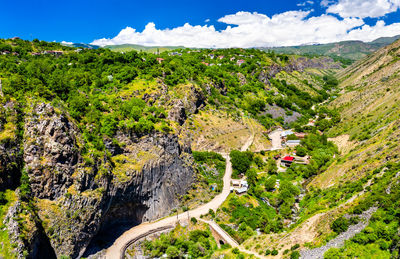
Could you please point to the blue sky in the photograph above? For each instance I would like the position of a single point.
(251, 22)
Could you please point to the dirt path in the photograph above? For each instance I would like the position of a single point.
(114, 251)
(275, 137)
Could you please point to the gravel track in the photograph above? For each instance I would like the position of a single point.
(338, 241)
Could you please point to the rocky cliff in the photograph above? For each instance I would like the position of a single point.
(76, 193)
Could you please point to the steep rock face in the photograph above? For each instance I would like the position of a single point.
(165, 171)
(141, 180)
(189, 104)
(302, 63)
(50, 152)
(299, 64)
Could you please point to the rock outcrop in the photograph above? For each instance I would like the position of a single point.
(77, 193)
(189, 104)
(298, 64)
(50, 151)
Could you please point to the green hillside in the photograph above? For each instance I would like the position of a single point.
(351, 50)
(149, 49)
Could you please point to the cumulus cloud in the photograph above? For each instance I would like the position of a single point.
(207, 20)
(245, 29)
(363, 8)
(370, 33)
(66, 42)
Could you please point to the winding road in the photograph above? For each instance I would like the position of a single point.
(116, 250)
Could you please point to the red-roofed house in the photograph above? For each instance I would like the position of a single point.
(287, 161)
(240, 62)
(160, 60)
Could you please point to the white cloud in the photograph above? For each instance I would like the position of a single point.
(362, 8)
(66, 42)
(207, 20)
(245, 29)
(370, 33)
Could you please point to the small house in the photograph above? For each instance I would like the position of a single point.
(240, 62)
(276, 157)
(235, 183)
(160, 60)
(287, 161)
(241, 190)
(293, 143)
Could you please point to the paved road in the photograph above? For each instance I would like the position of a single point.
(114, 251)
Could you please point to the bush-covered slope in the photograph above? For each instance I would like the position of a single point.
(370, 109)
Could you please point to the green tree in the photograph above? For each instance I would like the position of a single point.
(301, 151)
(340, 225)
(271, 166)
(241, 161)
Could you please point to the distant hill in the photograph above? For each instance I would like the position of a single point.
(151, 49)
(81, 45)
(352, 50)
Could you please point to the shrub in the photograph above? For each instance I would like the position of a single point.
(274, 252)
(193, 220)
(340, 225)
(301, 151)
(296, 246)
(211, 212)
(3, 199)
(295, 255)
(172, 252)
